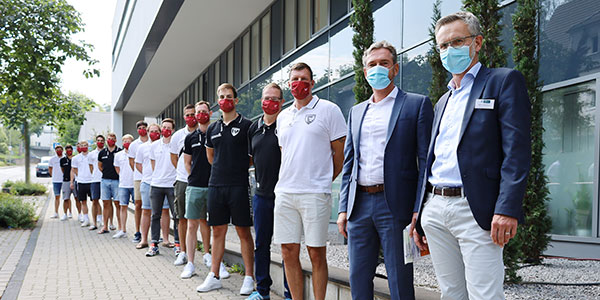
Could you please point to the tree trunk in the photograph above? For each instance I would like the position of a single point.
(26, 140)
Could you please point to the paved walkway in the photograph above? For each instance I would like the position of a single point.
(71, 262)
(12, 245)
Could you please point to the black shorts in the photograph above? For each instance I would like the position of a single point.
(229, 203)
(83, 191)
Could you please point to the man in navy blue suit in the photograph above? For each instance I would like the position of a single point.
(477, 166)
(384, 157)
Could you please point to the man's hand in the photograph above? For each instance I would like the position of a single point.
(421, 241)
(504, 228)
(72, 186)
(341, 223)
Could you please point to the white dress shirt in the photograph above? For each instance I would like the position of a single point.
(444, 170)
(373, 133)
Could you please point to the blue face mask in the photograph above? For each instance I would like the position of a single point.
(377, 77)
(456, 60)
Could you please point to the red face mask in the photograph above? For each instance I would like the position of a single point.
(202, 118)
(142, 132)
(98, 144)
(270, 107)
(166, 132)
(126, 145)
(82, 149)
(226, 105)
(59, 153)
(69, 152)
(154, 135)
(110, 142)
(191, 121)
(300, 89)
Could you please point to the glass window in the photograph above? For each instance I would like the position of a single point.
(508, 33)
(230, 65)
(320, 14)
(417, 19)
(316, 55)
(217, 74)
(201, 94)
(339, 8)
(265, 37)
(567, 38)
(303, 21)
(341, 94)
(254, 51)
(341, 61)
(387, 15)
(246, 57)
(416, 71)
(276, 29)
(290, 25)
(569, 123)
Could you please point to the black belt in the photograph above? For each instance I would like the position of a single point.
(445, 191)
(371, 189)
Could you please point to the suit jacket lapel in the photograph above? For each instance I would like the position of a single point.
(396, 109)
(476, 91)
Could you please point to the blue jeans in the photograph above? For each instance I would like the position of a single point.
(262, 208)
(57, 187)
(109, 189)
(124, 195)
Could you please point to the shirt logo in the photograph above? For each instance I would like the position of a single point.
(310, 118)
(235, 131)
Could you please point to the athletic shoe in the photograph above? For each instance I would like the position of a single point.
(210, 283)
(137, 237)
(152, 251)
(160, 240)
(177, 249)
(119, 234)
(207, 259)
(80, 218)
(54, 216)
(188, 271)
(70, 216)
(257, 296)
(223, 272)
(181, 259)
(247, 286)
(63, 218)
(85, 223)
(112, 227)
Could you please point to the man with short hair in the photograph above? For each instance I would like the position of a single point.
(163, 180)
(65, 166)
(264, 149)
(142, 131)
(57, 176)
(80, 167)
(228, 199)
(311, 135)
(125, 172)
(196, 193)
(385, 152)
(109, 187)
(76, 189)
(189, 114)
(95, 187)
(477, 166)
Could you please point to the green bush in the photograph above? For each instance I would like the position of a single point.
(21, 188)
(14, 213)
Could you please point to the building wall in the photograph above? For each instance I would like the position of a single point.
(95, 123)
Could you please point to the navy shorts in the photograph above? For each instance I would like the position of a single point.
(229, 203)
(95, 187)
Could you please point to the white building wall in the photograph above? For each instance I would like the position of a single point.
(96, 123)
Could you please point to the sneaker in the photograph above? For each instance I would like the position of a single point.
(160, 240)
(112, 227)
(257, 296)
(247, 286)
(137, 237)
(153, 251)
(181, 259)
(99, 222)
(210, 283)
(119, 234)
(207, 259)
(80, 218)
(63, 218)
(85, 223)
(54, 216)
(177, 249)
(223, 272)
(70, 216)
(188, 271)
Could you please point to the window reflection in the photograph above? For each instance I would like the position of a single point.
(416, 71)
(316, 55)
(341, 61)
(387, 15)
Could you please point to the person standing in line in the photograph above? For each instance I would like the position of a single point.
(311, 135)
(109, 187)
(196, 193)
(189, 114)
(57, 176)
(125, 172)
(80, 167)
(95, 187)
(75, 188)
(65, 166)
(142, 131)
(264, 149)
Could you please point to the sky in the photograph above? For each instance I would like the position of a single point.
(97, 17)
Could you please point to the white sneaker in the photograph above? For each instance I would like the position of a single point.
(223, 272)
(247, 286)
(112, 227)
(54, 216)
(80, 218)
(119, 234)
(181, 259)
(85, 223)
(63, 218)
(207, 259)
(70, 216)
(210, 283)
(188, 271)
(99, 222)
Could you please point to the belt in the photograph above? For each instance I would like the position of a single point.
(445, 191)
(372, 189)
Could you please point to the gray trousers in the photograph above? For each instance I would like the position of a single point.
(157, 198)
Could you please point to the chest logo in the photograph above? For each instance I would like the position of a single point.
(310, 118)
(235, 131)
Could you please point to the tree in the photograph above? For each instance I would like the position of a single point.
(439, 75)
(35, 42)
(492, 55)
(68, 126)
(362, 23)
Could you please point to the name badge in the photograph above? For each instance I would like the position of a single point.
(484, 104)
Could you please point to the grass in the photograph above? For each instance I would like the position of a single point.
(14, 213)
(25, 189)
(237, 268)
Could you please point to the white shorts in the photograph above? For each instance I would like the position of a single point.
(298, 213)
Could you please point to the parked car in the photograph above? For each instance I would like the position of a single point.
(42, 168)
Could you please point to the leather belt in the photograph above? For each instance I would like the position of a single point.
(372, 189)
(445, 191)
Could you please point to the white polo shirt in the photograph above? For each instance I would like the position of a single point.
(57, 174)
(305, 137)
(164, 171)
(93, 158)
(125, 171)
(177, 148)
(135, 145)
(82, 163)
(143, 157)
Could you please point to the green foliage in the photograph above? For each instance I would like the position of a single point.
(362, 23)
(22, 188)
(492, 53)
(237, 268)
(73, 117)
(14, 213)
(439, 75)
